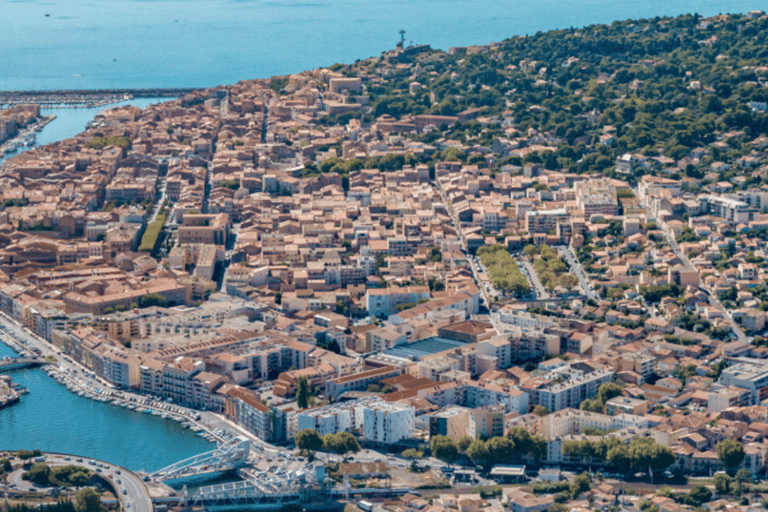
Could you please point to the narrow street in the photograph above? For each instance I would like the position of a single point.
(713, 300)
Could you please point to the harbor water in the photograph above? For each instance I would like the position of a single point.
(71, 121)
(52, 418)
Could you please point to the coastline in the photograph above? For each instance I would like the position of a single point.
(188, 418)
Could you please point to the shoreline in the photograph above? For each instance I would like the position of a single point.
(125, 399)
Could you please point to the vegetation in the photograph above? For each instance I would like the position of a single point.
(550, 267)
(731, 453)
(302, 393)
(341, 443)
(309, 440)
(642, 453)
(604, 393)
(502, 269)
(114, 140)
(444, 448)
(152, 234)
(152, 299)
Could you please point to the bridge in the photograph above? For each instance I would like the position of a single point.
(16, 363)
(273, 493)
(229, 455)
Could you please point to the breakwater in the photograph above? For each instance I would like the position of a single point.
(86, 98)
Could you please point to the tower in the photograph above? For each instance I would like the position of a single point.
(402, 39)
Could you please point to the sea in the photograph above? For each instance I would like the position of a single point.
(91, 44)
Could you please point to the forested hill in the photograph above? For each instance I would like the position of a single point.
(657, 87)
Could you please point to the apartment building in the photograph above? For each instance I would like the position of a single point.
(383, 302)
(563, 389)
(386, 422)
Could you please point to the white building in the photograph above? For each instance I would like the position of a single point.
(387, 423)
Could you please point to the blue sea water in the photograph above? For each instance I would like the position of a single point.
(175, 43)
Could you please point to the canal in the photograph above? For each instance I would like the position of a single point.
(53, 419)
(71, 121)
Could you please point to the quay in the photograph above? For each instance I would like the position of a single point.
(25, 138)
(87, 97)
(8, 394)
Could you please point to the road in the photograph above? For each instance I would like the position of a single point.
(578, 271)
(136, 496)
(713, 300)
(533, 277)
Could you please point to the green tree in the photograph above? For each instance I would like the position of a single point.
(581, 483)
(540, 410)
(699, 494)
(647, 455)
(722, 483)
(731, 453)
(478, 452)
(152, 299)
(309, 440)
(302, 393)
(6, 465)
(607, 391)
(39, 474)
(412, 453)
(444, 448)
(341, 443)
(88, 500)
(501, 449)
(463, 443)
(618, 457)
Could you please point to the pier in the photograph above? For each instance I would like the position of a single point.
(87, 97)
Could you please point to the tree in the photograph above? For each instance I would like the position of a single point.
(88, 500)
(731, 454)
(618, 457)
(152, 299)
(478, 452)
(302, 393)
(592, 405)
(581, 483)
(309, 440)
(39, 474)
(540, 410)
(607, 391)
(647, 455)
(412, 453)
(6, 465)
(463, 443)
(699, 494)
(444, 448)
(568, 281)
(501, 449)
(722, 483)
(341, 443)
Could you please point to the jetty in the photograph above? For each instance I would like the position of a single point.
(87, 97)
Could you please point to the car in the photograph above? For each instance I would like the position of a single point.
(125, 492)
(127, 505)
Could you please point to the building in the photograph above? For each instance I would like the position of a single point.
(545, 221)
(452, 421)
(562, 389)
(486, 422)
(204, 229)
(383, 302)
(387, 422)
(260, 420)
